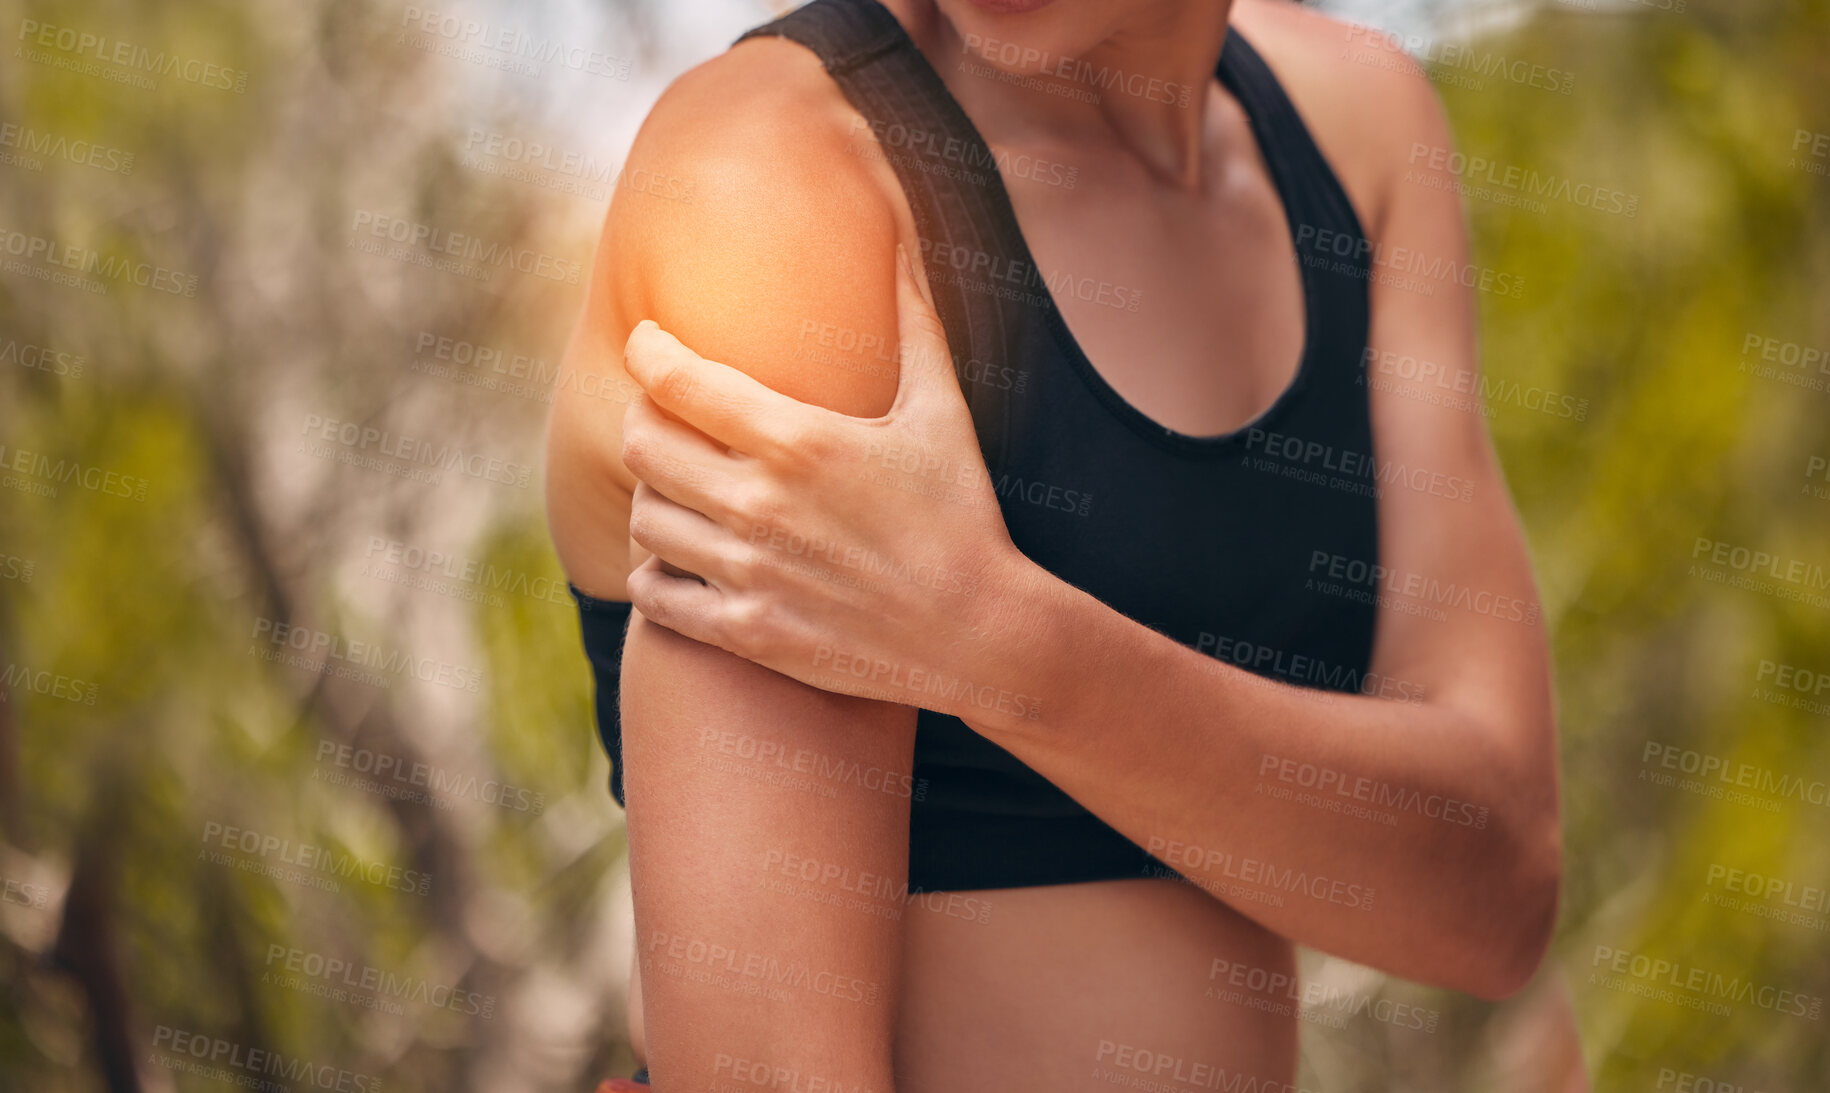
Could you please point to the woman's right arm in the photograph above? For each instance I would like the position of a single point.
(768, 821)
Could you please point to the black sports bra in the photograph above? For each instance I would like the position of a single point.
(1252, 546)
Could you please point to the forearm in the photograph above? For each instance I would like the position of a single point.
(1402, 835)
(768, 842)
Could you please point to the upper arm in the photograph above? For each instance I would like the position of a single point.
(1464, 621)
(1460, 618)
(753, 798)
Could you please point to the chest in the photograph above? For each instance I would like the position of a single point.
(1188, 303)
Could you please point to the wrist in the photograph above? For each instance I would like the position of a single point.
(1003, 639)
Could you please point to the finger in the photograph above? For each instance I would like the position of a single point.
(680, 462)
(680, 537)
(681, 604)
(927, 377)
(718, 400)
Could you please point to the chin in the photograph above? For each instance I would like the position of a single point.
(1010, 7)
(1039, 28)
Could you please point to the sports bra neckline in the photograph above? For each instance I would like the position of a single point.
(1263, 114)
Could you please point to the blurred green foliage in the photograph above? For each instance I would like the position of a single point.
(120, 933)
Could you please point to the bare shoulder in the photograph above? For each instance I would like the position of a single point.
(751, 221)
(1368, 104)
(750, 207)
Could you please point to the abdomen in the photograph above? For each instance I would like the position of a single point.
(1088, 986)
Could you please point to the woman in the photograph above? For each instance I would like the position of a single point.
(1085, 571)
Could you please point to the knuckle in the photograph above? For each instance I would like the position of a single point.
(673, 384)
(759, 504)
(641, 524)
(635, 446)
(729, 630)
(817, 445)
(794, 441)
(746, 617)
(641, 596)
(748, 563)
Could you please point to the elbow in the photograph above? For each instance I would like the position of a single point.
(1522, 917)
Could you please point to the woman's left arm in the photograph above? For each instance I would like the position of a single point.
(1419, 837)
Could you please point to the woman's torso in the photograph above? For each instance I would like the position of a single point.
(1198, 318)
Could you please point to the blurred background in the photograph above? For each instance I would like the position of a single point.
(295, 745)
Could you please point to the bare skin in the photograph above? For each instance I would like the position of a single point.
(1052, 984)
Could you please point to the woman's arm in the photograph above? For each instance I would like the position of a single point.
(768, 821)
(1419, 837)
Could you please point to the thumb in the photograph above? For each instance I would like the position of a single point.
(926, 362)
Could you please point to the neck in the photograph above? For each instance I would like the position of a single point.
(1143, 82)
